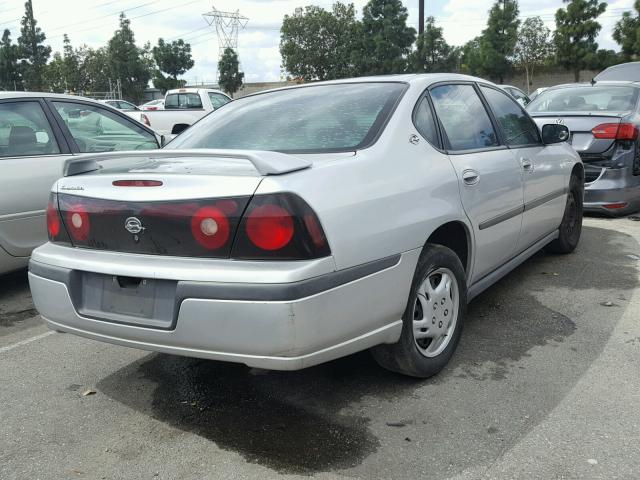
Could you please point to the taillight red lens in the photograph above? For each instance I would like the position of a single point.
(279, 226)
(269, 227)
(615, 206)
(53, 220)
(210, 227)
(615, 131)
(77, 222)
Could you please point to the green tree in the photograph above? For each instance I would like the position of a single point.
(9, 71)
(386, 39)
(172, 59)
(229, 77)
(54, 74)
(603, 59)
(533, 46)
(318, 44)
(627, 33)
(95, 69)
(33, 53)
(498, 40)
(472, 57)
(576, 31)
(433, 53)
(127, 62)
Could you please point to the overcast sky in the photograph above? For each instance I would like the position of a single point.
(94, 23)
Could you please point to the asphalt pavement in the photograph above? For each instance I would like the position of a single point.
(545, 384)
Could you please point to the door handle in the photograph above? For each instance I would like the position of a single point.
(527, 165)
(470, 177)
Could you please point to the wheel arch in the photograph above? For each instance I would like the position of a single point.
(456, 236)
(578, 170)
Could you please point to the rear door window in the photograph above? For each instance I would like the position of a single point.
(218, 100)
(25, 130)
(466, 123)
(516, 125)
(182, 101)
(97, 129)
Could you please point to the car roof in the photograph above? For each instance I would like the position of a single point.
(60, 96)
(603, 83)
(423, 79)
(630, 70)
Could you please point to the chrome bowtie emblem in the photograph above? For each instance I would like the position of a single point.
(133, 225)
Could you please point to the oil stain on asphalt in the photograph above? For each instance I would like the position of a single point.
(524, 347)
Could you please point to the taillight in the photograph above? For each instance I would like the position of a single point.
(615, 206)
(55, 229)
(145, 119)
(615, 131)
(210, 227)
(280, 226)
(78, 223)
(269, 227)
(53, 220)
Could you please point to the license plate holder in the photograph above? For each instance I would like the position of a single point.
(129, 300)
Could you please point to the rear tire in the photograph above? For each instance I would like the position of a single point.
(571, 226)
(432, 322)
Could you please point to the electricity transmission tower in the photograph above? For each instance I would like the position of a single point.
(227, 26)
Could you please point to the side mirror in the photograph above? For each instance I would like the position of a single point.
(554, 133)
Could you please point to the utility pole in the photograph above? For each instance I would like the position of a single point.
(227, 25)
(420, 16)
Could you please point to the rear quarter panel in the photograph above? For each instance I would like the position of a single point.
(383, 200)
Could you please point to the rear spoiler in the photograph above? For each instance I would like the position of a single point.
(265, 162)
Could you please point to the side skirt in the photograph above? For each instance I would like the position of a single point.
(488, 280)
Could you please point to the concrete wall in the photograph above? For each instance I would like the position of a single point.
(547, 79)
(249, 88)
(540, 79)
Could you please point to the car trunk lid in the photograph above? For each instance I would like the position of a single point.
(580, 126)
(182, 203)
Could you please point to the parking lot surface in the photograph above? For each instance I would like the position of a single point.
(545, 384)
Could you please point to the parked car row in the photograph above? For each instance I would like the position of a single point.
(325, 218)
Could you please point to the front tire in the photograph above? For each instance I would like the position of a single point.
(432, 322)
(571, 226)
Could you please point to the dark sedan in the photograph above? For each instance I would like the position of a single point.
(603, 118)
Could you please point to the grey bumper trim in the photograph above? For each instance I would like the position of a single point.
(268, 292)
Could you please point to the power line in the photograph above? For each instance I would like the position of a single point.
(155, 12)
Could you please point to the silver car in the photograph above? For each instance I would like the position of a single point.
(299, 225)
(38, 133)
(603, 118)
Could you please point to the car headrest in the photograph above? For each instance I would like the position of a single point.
(20, 135)
(576, 102)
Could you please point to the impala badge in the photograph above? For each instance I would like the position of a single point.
(133, 225)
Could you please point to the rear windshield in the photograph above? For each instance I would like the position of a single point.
(322, 118)
(586, 99)
(182, 100)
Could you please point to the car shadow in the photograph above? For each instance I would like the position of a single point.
(16, 307)
(526, 342)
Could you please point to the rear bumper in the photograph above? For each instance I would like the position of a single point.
(282, 326)
(613, 186)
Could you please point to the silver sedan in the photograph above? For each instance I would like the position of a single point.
(296, 226)
(38, 133)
